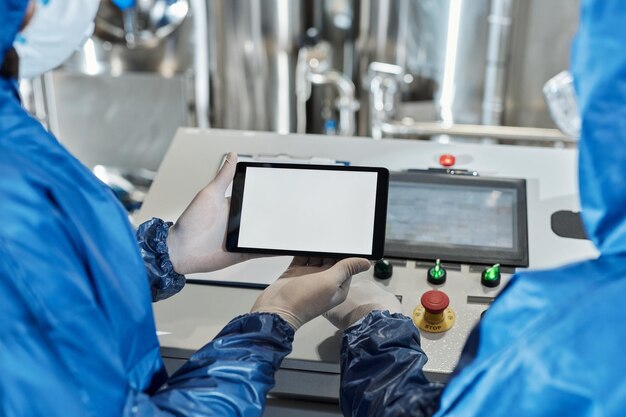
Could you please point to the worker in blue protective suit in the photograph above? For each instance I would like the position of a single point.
(553, 342)
(77, 334)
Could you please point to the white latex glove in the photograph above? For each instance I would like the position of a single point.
(196, 242)
(363, 298)
(308, 288)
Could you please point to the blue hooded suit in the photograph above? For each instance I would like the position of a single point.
(77, 333)
(552, 343)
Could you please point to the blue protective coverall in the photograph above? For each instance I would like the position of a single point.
(553, 342)
(77, 334)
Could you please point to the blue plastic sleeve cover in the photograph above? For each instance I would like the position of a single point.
(230, 376)
(381, 369)
(152, 241)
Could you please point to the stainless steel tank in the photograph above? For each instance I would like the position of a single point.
(454, 61)
(541, 45)
(111, 104)
(253, 47)
(163, 39)
(440, 44)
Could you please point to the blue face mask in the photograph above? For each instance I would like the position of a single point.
(58, 29)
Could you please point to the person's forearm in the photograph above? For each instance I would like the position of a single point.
(381, 369)
(229, 376)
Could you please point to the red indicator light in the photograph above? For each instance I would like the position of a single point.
(447, 160)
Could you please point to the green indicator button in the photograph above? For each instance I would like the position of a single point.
(493, 272)
(437, 274)
(491, 276)
(383, 269)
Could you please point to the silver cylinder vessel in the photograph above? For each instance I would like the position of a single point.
(253, 48)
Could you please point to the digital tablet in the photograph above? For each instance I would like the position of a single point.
(308, 210)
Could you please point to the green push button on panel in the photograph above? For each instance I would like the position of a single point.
(491, 276)
(383, 269)
(437, 274)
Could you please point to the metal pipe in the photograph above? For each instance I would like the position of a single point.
(314, 66)
(376, 104)
(497, 65)
(201, 63)
(383, 91)
(49, 103)
(129, 16)
(383, 87)
(384, 84)
(346, 104)
(513, 133)
(303, 90)
(448, 82)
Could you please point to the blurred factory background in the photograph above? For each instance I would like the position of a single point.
(446, 70)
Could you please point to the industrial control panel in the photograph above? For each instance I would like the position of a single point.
(461, 220)
(446, 220)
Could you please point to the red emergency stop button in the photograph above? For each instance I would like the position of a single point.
(435, 302)
(447, 160)
(434, 314)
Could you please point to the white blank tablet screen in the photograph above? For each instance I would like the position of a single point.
(308, 210)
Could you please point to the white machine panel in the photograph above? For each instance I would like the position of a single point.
(199, 312)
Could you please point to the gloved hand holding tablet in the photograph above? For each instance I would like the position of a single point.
(308, 210)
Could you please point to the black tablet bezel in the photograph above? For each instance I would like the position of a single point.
(517, 256)
(380, 216)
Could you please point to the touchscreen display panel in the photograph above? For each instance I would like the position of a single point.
(437, 214)
(457, 218)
